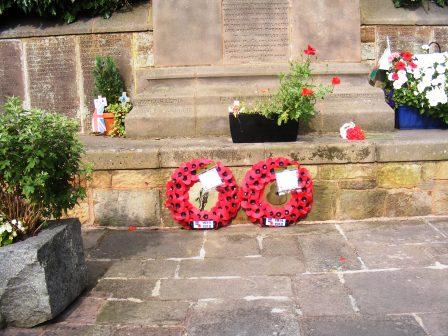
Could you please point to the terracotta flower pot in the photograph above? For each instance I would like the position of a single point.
(109, 121)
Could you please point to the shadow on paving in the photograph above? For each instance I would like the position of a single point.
(379, 278)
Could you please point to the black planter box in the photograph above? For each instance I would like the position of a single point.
(249, 128)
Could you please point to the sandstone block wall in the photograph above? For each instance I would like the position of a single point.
(342, 192)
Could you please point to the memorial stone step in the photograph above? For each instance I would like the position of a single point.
(193, 101)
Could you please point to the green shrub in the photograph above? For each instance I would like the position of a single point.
(416, 3)
(108, 82)
(68, 10)
(40, 165)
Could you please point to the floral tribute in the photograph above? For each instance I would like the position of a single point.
(177, 195)
(351, 131)
(259, 177)
(419, 81)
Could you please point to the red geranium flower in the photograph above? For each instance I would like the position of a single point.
(395, 76)
(307, 92)
(400, 66)
(336, 81)
(132, 228)
(310, 50)
(407, 56)
(412, 65)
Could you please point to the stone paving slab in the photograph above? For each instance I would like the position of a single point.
(264, 317)
(357, 326)
(383, 277)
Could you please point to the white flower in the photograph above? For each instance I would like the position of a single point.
(429, 72)
(398, 84)
(425, 47)
(235, 107)
(436, 96)
(417, 74)
(415, 93)
(344, 128)
(440, 69)
(14, 222)
(421, 86)
(8, 227)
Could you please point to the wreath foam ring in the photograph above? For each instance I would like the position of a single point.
(260, 176)
(177, 195)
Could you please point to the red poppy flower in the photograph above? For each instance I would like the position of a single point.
(400, 66)
(395, 76)
(307, 92)
(355, 133)
(407, 56)
(310, 50)
(336, 81)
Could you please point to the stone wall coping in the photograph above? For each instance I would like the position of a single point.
(400, 146)
(247, 70)
(383, 12)
(138, 18)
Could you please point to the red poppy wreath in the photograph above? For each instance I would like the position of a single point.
(177, 195)
(263, 174)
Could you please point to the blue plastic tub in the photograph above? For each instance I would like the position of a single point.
(407, 118)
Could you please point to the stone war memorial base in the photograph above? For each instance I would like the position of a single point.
(380, 177)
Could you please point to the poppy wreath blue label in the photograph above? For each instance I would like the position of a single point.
(188, 215)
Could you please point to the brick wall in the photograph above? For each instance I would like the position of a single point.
(342, 191)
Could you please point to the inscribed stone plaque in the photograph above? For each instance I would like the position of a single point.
(255, 31)
(333, 27)
(52, 74)
(11, 75)
(187, 32)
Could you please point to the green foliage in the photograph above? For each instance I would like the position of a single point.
(417, 3)
(40, 164)
(288, 103)
(68, 10)
(120, 112)
(108, 82)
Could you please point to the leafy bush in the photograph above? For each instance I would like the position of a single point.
(108, 82)
(296, 97)
(65, 9)
(416, 3)
(40, 165)
(120, 112)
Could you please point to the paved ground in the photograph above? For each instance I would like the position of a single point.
(363, 278)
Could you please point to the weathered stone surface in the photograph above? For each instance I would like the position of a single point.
(52, 74)
(327, 253)
(346, 171)
(140, 179)
(280, 246)
(399, 175)
(225, 288)
(321, 295)
(11, 72)
(83, 310)
(151, 269)
(95, 271)
(235, 245)
(399, 291)
(325, 197)
(126, 207)
(366, 326)
(435, 324)
(335, 40)
(228, 318)
(215, 267)
(255, 31)
(407, 204)
(126, 289)
(392, 232)
(148, 244)
(435, 171)
(143, 45)
(183, 41)
(357, 184)
(360, 204)
(101, 179)
(82, 212)
(440, 200)
(90, 237)
(368, 34)
(144, 313)
(42, 275)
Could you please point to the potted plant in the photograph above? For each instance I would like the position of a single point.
(276, 118)
(41, 260)
(416, 87)
(110, 85)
